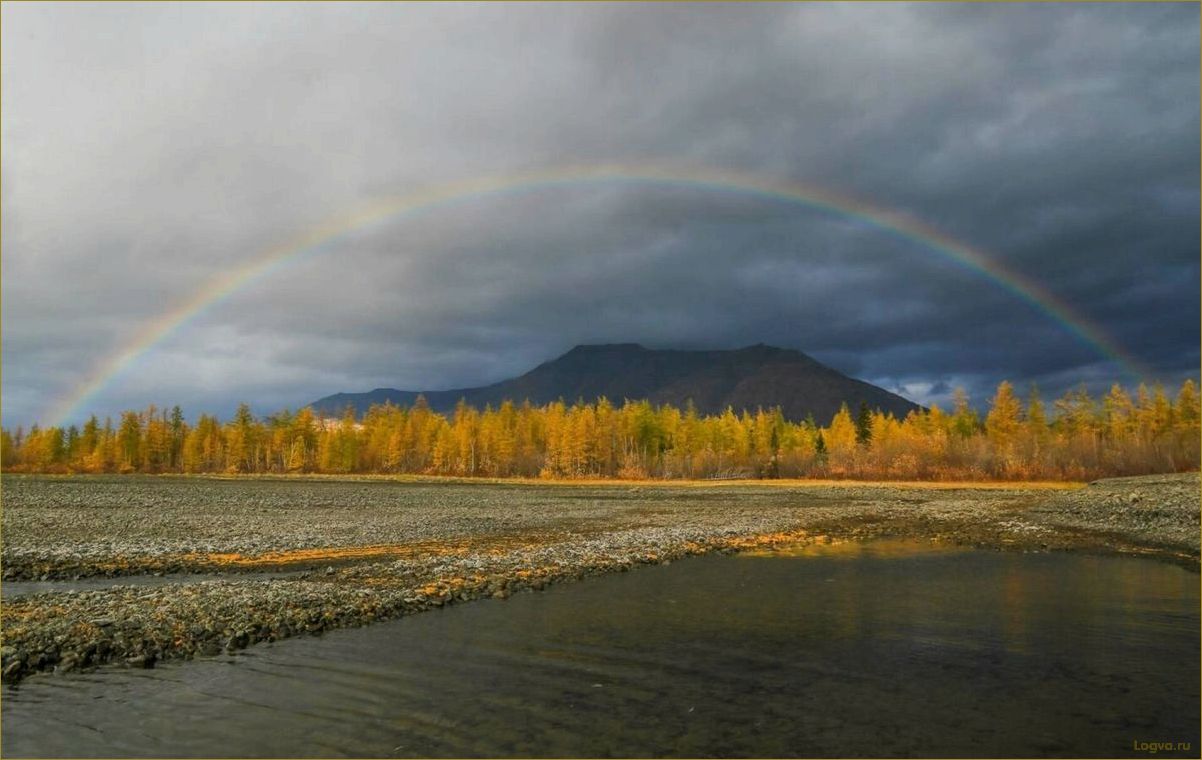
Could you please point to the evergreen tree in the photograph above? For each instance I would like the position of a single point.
(864, 424)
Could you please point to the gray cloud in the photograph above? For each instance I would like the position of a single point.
(149, 148)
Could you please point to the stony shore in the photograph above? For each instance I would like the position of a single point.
(295, 556)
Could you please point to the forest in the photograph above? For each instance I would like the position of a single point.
(1077, 438)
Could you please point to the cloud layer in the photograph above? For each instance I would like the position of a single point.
(148, 148)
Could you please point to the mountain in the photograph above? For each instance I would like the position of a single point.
(746, 378)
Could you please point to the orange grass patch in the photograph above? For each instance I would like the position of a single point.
(765, 540)
(937, 485)
(476, 545)
(656, 483)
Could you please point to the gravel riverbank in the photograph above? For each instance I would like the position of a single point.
(347, 552)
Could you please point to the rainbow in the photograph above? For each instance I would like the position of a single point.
(222, 286)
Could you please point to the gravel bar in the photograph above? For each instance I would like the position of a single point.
(302, 555)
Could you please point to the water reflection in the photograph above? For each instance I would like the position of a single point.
(885, 650)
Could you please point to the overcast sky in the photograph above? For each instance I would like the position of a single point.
(149, 147)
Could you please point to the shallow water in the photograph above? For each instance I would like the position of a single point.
(16, 589)
(886, 650)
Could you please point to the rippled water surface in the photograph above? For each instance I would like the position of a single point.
(894, 649)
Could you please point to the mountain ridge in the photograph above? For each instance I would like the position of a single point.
(757, 376)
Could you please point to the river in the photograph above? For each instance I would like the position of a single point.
(886, 649)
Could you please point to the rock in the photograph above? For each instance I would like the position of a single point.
(140, 661)
(330, 570)
(103, 622)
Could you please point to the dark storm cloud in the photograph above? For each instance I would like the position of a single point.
(150, 147)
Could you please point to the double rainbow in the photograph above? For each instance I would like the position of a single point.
(222, 286)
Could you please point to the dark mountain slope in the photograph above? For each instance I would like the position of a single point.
(747, 378)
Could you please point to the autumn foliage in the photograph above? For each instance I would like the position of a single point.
(1077, 438)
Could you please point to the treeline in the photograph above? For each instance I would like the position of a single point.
(1078, 438)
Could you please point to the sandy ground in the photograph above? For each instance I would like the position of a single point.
(202, 565)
